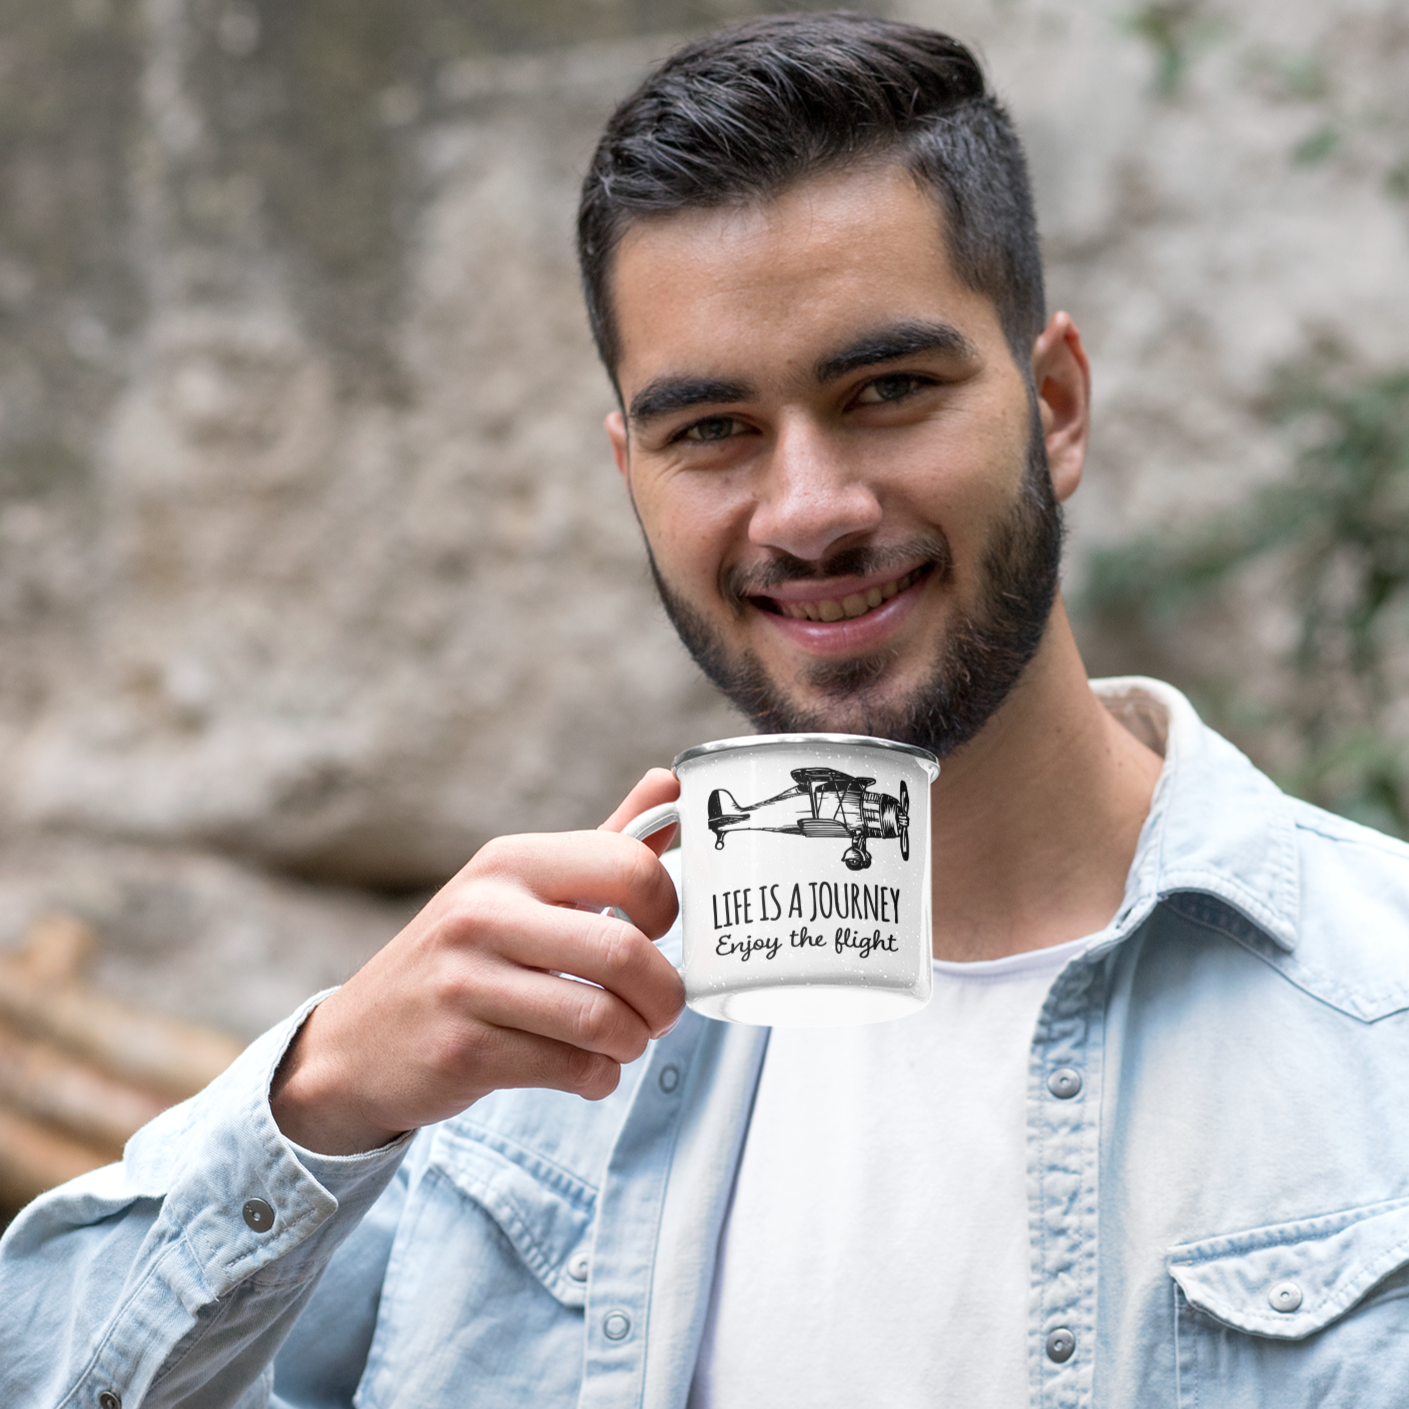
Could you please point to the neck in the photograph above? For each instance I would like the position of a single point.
(1034, 822)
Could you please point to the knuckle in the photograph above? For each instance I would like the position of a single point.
(461, 971)
(477, 914)
(448, 993)
(619, 950)
(460, 1051)
(592, 1022)
(606, 1083)
(493, 856)
(589, 1074)
(634, 1042)
(449, 987)
(503, 858)
(602, 1026)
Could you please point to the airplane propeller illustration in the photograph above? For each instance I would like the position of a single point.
(824, 802)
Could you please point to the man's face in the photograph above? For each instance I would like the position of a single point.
(837, 466)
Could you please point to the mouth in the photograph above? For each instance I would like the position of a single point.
(843, 607)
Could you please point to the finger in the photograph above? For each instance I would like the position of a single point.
(658, 786)
(497, 1059)
(599, 948)
(577, 1014)
(581, 868)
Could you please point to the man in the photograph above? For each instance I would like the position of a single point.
(1146, 1147)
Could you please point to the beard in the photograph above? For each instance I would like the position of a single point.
(981, 659)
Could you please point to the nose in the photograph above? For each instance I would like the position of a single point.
(811, 498)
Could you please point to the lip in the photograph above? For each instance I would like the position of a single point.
(850, 636)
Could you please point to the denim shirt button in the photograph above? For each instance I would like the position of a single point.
(1064, 1083)
(108, 1400)
(258, 1215)
(669, 1078)
(1060, 1344)
(616, 1326)
(1285, 1296)
(578, 1267)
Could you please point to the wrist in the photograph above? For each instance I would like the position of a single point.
(314, 1108)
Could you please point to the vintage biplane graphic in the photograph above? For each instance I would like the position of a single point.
(824, 802)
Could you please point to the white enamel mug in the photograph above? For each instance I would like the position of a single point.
(804, 877)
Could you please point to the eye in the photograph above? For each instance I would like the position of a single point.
(712, 428)
(895, 386)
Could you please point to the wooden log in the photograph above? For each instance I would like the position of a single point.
(172, 1057)
(80, 1072)
(58, 946)
(38, 1079)
(34, 1158)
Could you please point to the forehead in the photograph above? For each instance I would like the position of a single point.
(775, 284)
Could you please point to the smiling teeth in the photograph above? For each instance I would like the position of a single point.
(857, 604)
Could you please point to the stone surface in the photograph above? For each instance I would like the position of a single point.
(345, 604)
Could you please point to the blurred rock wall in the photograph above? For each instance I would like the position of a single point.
(1221, 187)
(314, 570)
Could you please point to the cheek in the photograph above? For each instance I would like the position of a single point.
(692, 524)
(963, 484)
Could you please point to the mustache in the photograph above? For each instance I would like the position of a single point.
(737, 584)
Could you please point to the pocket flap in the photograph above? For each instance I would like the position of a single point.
(1317, 1268)
(544, 1211)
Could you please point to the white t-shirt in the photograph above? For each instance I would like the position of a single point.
(876, 1247)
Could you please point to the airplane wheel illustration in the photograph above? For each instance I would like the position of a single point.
(855, 860)
(904, 821)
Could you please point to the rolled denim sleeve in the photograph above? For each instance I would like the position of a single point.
(146, 1280)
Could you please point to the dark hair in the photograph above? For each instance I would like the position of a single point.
(746, 113)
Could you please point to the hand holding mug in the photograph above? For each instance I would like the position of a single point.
(469, 998)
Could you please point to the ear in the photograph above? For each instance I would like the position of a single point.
(616, 433)
(1062, 376)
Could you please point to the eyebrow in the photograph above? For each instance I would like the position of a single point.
(668, 394)
(905, 339)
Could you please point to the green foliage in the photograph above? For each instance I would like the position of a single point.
(1174, 30)
(1304, 77)
(1338, 530)
(1317, 146)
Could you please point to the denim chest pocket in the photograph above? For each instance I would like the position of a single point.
(484, 1288)
(544, 1211)
(1313, 1313)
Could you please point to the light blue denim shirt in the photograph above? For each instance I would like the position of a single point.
(1218, 1162)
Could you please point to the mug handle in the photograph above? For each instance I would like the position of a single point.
(649, 822)
(652, 820)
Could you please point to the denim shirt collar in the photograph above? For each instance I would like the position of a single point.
(1216, 825)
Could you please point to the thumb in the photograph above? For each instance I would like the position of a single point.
(658, 786)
